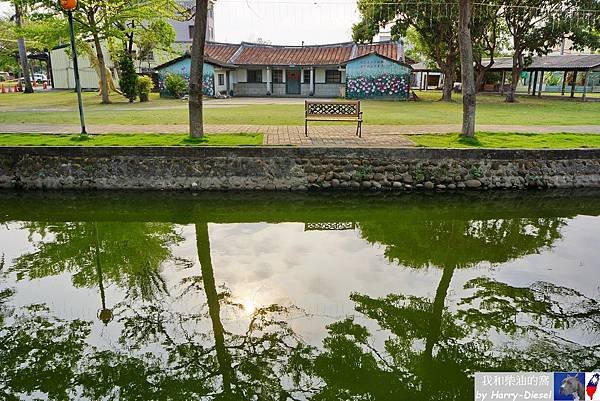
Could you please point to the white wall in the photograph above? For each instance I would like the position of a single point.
(62, 70)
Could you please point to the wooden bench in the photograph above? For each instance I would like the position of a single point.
(333, 111)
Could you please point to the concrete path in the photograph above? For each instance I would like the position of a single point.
(319, 135)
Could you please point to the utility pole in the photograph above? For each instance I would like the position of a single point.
(69, 6)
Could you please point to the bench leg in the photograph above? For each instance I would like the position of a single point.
(306, 128)
(359, 129)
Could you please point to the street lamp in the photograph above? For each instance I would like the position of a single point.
(69, 6)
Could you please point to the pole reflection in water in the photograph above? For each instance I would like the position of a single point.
(105, 315)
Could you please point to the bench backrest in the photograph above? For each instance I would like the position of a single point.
(331, 108)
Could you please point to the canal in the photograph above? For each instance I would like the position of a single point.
(221, 296)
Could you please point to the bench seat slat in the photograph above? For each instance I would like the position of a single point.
(318, 118)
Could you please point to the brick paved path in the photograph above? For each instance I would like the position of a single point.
(319, 135)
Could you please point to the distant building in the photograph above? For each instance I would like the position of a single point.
(184, 30)
(62, 64)
(566, 47)
(332, 70)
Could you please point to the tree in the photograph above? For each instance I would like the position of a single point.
(535, 27)
(25, 71)
(469, 90)
(149, 19)
(128, 77)
(435, 22)
(158, 34)
(586, 34)
(8, 47)
(197, 70)
(104, 19)
(489, 36)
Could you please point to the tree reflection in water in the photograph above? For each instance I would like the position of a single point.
(431, 348)
(128, 254)
(162, 353)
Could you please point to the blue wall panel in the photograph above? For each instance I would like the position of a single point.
(182, 68)
(376, 77)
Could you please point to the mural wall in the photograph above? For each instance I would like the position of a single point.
(376, 77)
(182, 68)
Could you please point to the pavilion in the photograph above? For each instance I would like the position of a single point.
(585, 64)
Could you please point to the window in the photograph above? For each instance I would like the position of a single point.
(254, 76)
(148, 56)
(221, 78)
(277, 76)
(306, 76)
(191, 31)
(333, 76)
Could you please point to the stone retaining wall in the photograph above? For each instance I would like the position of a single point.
(259, 168)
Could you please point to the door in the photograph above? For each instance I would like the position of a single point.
(292, 82)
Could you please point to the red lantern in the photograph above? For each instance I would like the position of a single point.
(68, 5)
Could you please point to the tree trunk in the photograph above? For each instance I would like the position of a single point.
(212, 299)
(479, 78)
(102, 66)
(197, 70)
(435, 322)
(511, 95)
(104, 89)
(448, 84)
(467, 70)
(23, 53)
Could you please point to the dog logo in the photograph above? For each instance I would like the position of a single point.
(569, 386)
(591, 388)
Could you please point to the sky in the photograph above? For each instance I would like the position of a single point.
(286, 22)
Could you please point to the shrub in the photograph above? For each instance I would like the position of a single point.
(144, 86)
(176, 85)
(128, 77)
(552, 79)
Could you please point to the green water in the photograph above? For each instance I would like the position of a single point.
(292, 297)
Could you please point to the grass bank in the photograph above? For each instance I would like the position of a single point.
(59, 107)
(509, 140)
(130, 140)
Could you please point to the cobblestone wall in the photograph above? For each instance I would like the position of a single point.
(264, 168)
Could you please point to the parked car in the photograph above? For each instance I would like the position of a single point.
(40, 78)
(37, 77)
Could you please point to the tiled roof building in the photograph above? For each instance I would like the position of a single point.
(251, 69)
(309, 55)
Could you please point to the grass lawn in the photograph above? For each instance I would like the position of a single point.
(507, 140)
(59, 107)
(130, 140)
